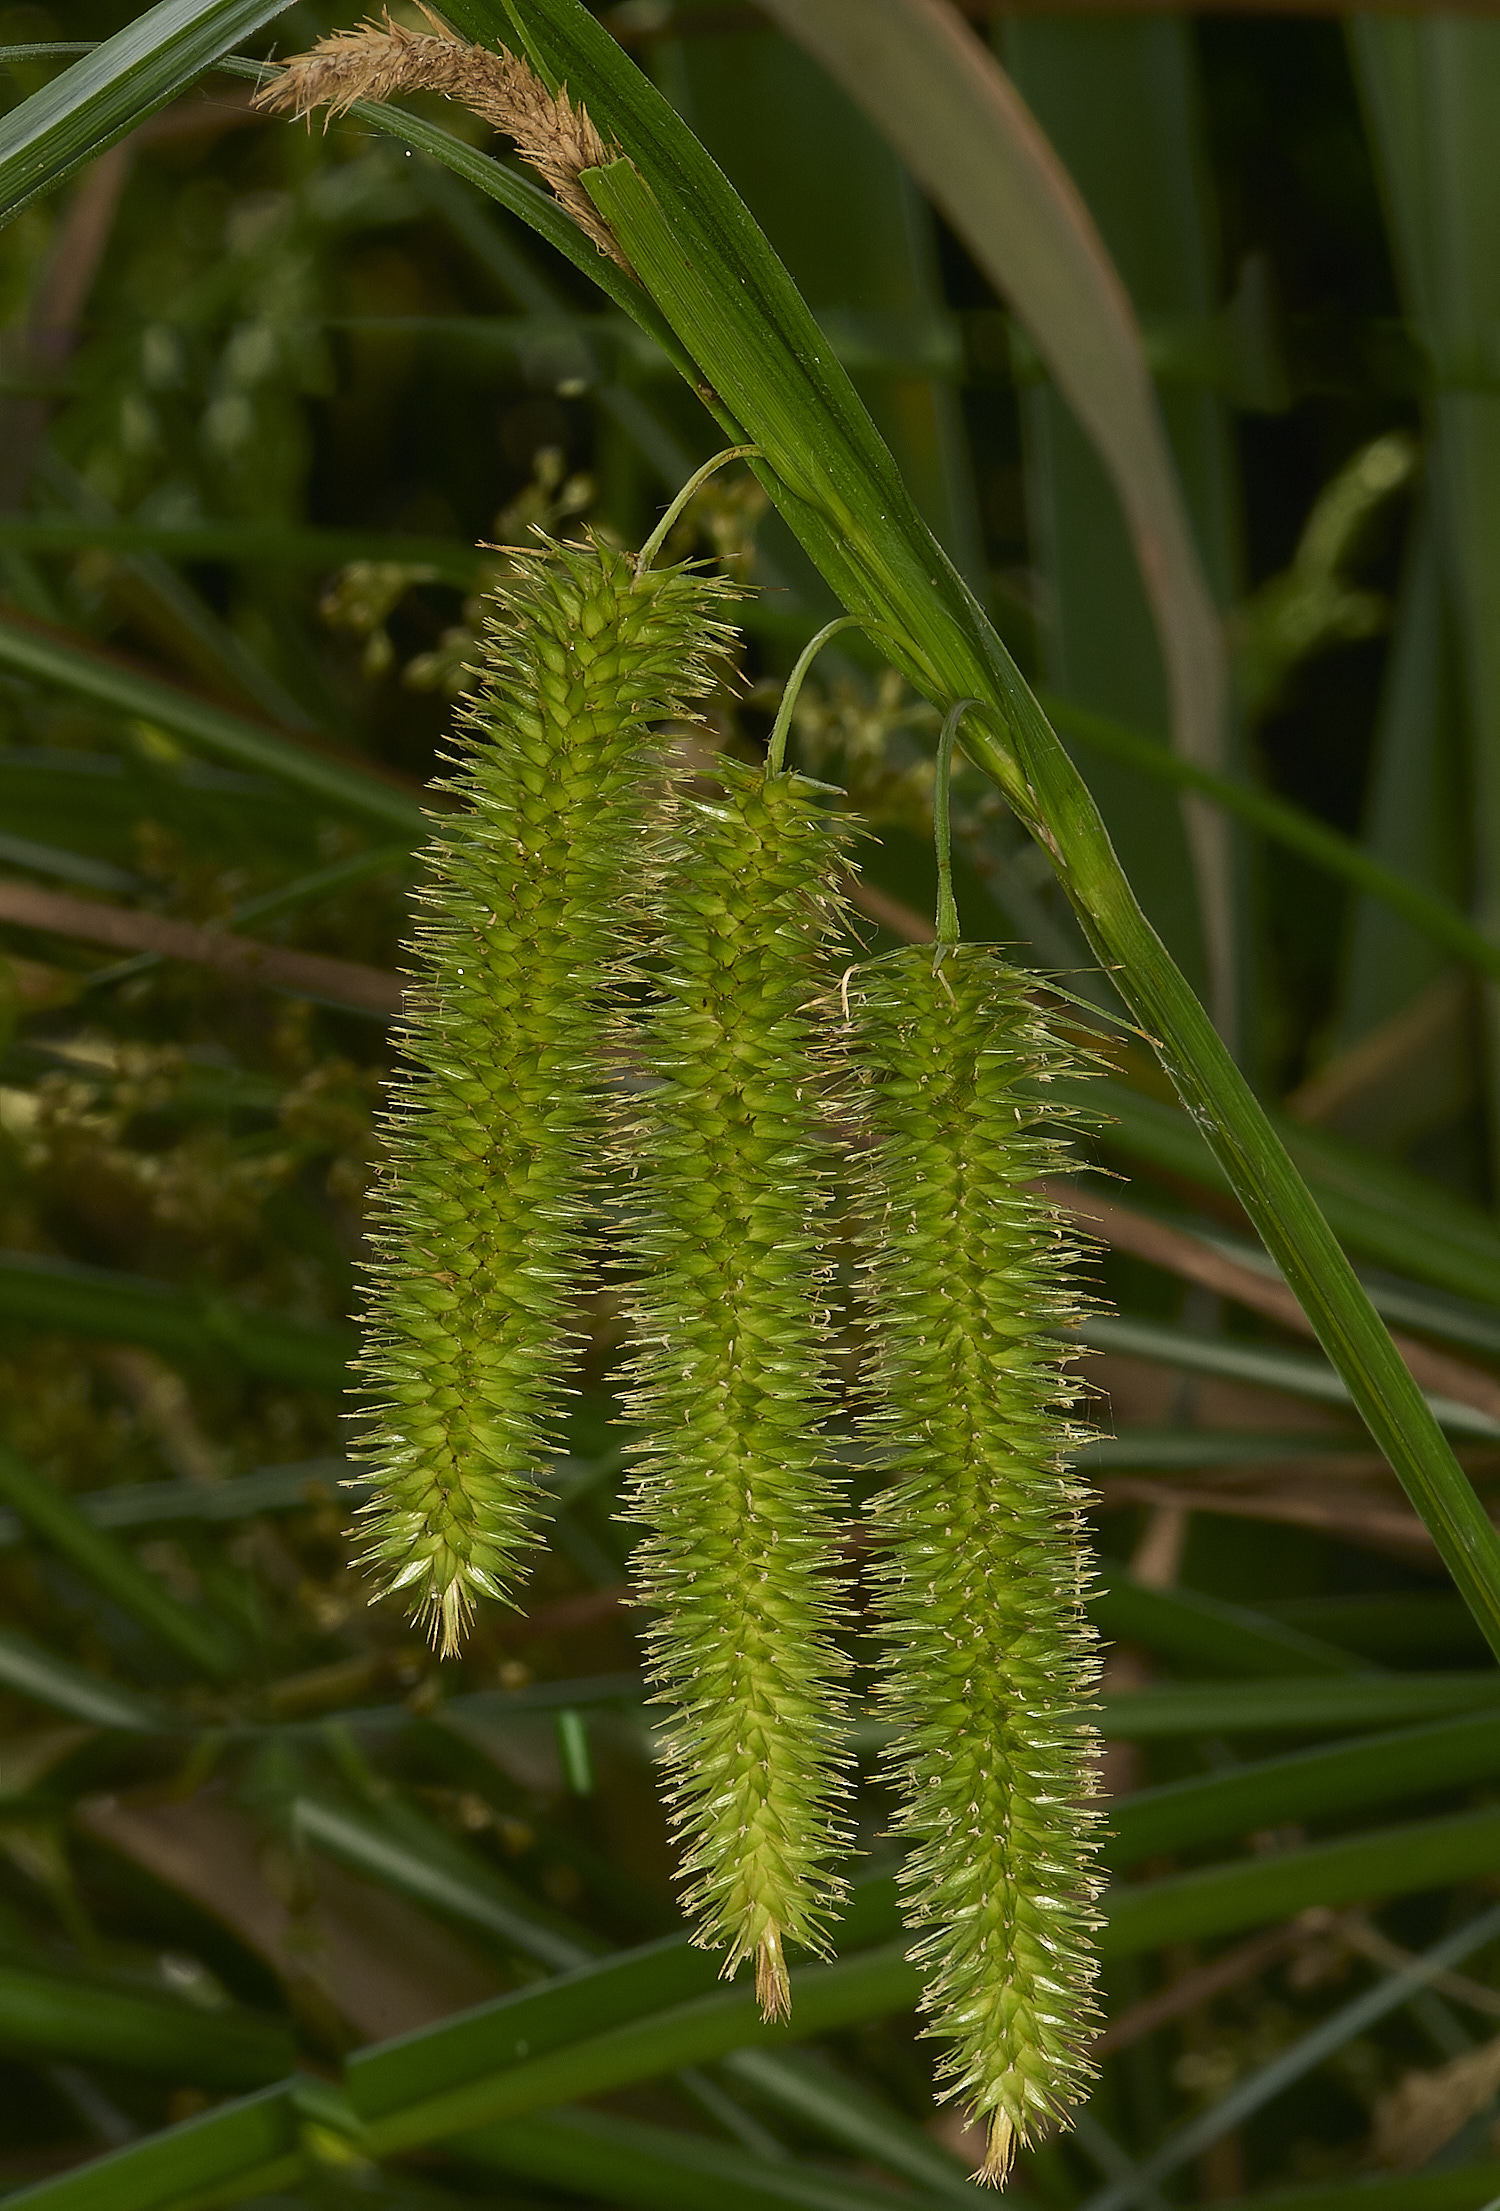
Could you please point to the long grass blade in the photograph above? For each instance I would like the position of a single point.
(27, 1670)
(1436, 917)
(1203, 1631)
(461, 1892)
(1391, 1215)
(111, 90)
(1298, 1373)
(652, 2168)
(1309, 1705)
(113, 1570)
(1272, 1792)
(123, 1308)
(1222, 1899)
(45, 2012)
(968, 138)
(345, 787)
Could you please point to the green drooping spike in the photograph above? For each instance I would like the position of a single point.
(734, 1157)
(484, 1215)
(978, 1570)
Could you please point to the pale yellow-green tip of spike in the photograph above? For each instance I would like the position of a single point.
(999, 2152)
(773, 1990)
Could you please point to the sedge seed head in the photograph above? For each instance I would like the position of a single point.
(380, 61)
(732, 1156)
(484, 1212)
(979, 1572)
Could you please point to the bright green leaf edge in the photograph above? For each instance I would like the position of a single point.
(103, 97)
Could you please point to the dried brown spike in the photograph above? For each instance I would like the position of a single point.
(378, 61)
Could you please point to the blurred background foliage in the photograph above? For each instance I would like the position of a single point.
(266, 396)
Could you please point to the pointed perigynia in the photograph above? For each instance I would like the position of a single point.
(732, 1157)
(978, 1564)
(485, 1215)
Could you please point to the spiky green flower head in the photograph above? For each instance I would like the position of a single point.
(979, 1563)
(484, 1217)
(733, 1160)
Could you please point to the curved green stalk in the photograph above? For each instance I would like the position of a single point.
(733, 1158)
(483, 1216)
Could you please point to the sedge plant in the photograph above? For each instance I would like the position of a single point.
(979, 1584)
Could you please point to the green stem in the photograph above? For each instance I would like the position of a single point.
(659, 535)
(782, 727)
(942, 824)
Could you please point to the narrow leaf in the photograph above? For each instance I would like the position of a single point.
(44, 2012)
(1296, 1707)
(1296, 1373)
(30, 1671)
(1219, 1900)
(653, 2168)
(446, 1888)
(95, 1301)
(968, 138)
(103, 1560)
(113, 89)
(1203, 1631)
(1272, 1792)
(346, 787)
(1286, 825)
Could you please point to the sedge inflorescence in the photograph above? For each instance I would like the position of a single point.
(731, 1151)
(629, 1013)
(484, 1218)
(979, 1586)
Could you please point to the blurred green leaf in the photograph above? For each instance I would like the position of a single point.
(345, 787)
(1184, 1625)
(1272, 1792)
(30, 1671)
(967, 137)
(107, 93)
(1438, 920)
(1384, 1211)
(1314, 1703)
(809, 2088)
(1118, 97)
(276, 544)
(1221, 1899)
(77, 2018)
(1463, 2188)
(93, 1301)
(1296, 1373)
(627, 2161)
(422, 1873)
(113, 1570)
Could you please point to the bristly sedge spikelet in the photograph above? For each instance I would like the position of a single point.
(726, 1222)
(483, 1215)
(378, 61)
(979, 1576)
